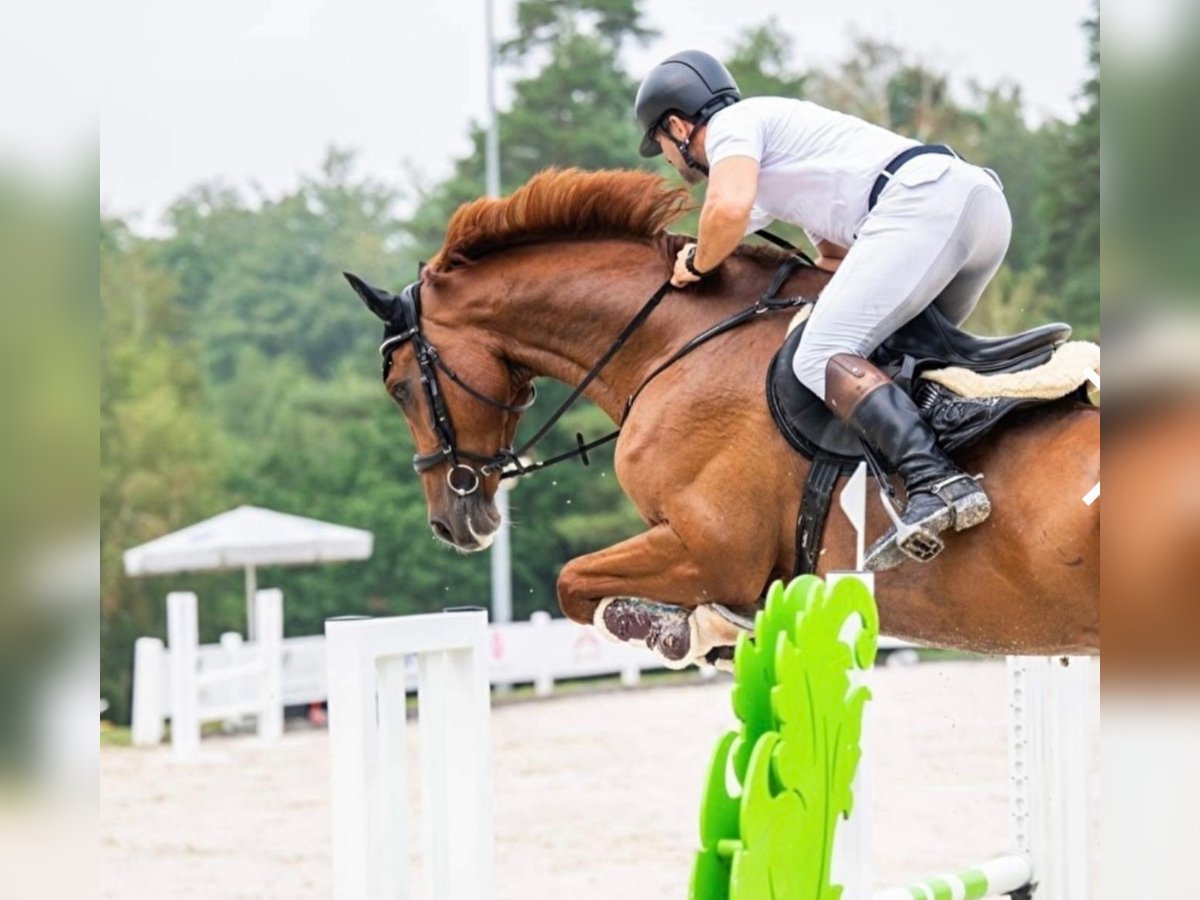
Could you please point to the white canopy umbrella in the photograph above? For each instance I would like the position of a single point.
(245, 538)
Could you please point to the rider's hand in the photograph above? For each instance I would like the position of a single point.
(682, 276)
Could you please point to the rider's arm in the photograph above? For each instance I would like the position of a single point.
(830, 255)
(732, 187)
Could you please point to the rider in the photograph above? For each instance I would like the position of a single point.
(900, 224)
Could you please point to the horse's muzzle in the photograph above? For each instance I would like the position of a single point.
(469, 525)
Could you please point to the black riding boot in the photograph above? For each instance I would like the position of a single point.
(939, 494)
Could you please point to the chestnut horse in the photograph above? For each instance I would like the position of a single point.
(542, 282)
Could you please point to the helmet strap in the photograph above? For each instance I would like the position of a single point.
(685, 147)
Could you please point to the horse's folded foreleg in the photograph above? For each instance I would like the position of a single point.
(680, 636)
(652, 590)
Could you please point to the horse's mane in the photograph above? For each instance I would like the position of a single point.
(562, 204)
(573, 204)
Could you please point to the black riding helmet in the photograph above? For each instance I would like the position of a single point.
(693, 82)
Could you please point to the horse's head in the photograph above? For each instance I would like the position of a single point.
(462, 400)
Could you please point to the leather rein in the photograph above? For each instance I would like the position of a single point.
(463, 479)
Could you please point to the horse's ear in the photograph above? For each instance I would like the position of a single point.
(378, 300)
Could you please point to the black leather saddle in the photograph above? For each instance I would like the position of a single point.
(929, 341)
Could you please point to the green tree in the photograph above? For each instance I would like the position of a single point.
(575, 109)
(267, 272)
(1070, 205)
(159, 455)
(761, 62)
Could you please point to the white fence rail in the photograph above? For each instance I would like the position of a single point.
(227, 685)
(192, 684)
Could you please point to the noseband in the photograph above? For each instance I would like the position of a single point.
(405, 328)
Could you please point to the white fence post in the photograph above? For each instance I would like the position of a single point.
(147, 715)
(232, 643)
(367, 725)
(268, 612)
(183, 638)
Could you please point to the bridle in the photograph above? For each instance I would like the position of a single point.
(404, 326)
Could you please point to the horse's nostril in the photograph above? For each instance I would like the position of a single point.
(441, 529)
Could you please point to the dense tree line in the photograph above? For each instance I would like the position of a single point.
(237, 368)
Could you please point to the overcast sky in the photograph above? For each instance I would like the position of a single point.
(253, 91)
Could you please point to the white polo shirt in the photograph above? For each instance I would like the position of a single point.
(817, 166)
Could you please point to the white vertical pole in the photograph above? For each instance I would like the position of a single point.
(183, 638)
(455, 764)
(493, 132)
(501, 560)
(501, 555)
(268, 612)
(355, 757)
(251, 593)
(146, 726)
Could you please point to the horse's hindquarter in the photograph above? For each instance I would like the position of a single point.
(1028, 579)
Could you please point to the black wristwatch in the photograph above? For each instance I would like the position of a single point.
(689, 262)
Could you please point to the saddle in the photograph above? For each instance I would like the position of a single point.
(928, 342)
(929, 345)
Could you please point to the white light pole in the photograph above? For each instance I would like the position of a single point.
(502, 546)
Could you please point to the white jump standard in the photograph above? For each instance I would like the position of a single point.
(367, 724)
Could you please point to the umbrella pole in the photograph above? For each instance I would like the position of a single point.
(251, 593)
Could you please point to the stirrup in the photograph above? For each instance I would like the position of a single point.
(913, 541)
(968, 509)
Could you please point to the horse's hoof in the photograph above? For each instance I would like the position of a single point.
(662, 628)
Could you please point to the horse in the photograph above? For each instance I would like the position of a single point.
(537, 284)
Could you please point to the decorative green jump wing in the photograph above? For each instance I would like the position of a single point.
(779, 785)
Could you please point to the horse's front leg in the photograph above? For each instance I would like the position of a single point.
(657, 590)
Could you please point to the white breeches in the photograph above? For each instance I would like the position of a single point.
(939, 232)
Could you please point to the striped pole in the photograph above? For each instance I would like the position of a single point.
(995, 878)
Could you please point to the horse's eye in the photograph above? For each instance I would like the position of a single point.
(401, 393)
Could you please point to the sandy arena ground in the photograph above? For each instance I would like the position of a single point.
(596, 796)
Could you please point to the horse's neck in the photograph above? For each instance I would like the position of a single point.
(565, 304)
(562, 315)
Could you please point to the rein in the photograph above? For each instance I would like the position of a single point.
(405, 327)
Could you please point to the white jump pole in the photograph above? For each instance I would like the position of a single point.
(367, 724)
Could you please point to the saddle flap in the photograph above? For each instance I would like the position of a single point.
(927, 342)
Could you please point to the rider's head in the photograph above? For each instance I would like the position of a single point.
(674, 103)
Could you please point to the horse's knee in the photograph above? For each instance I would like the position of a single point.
(576, 603)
